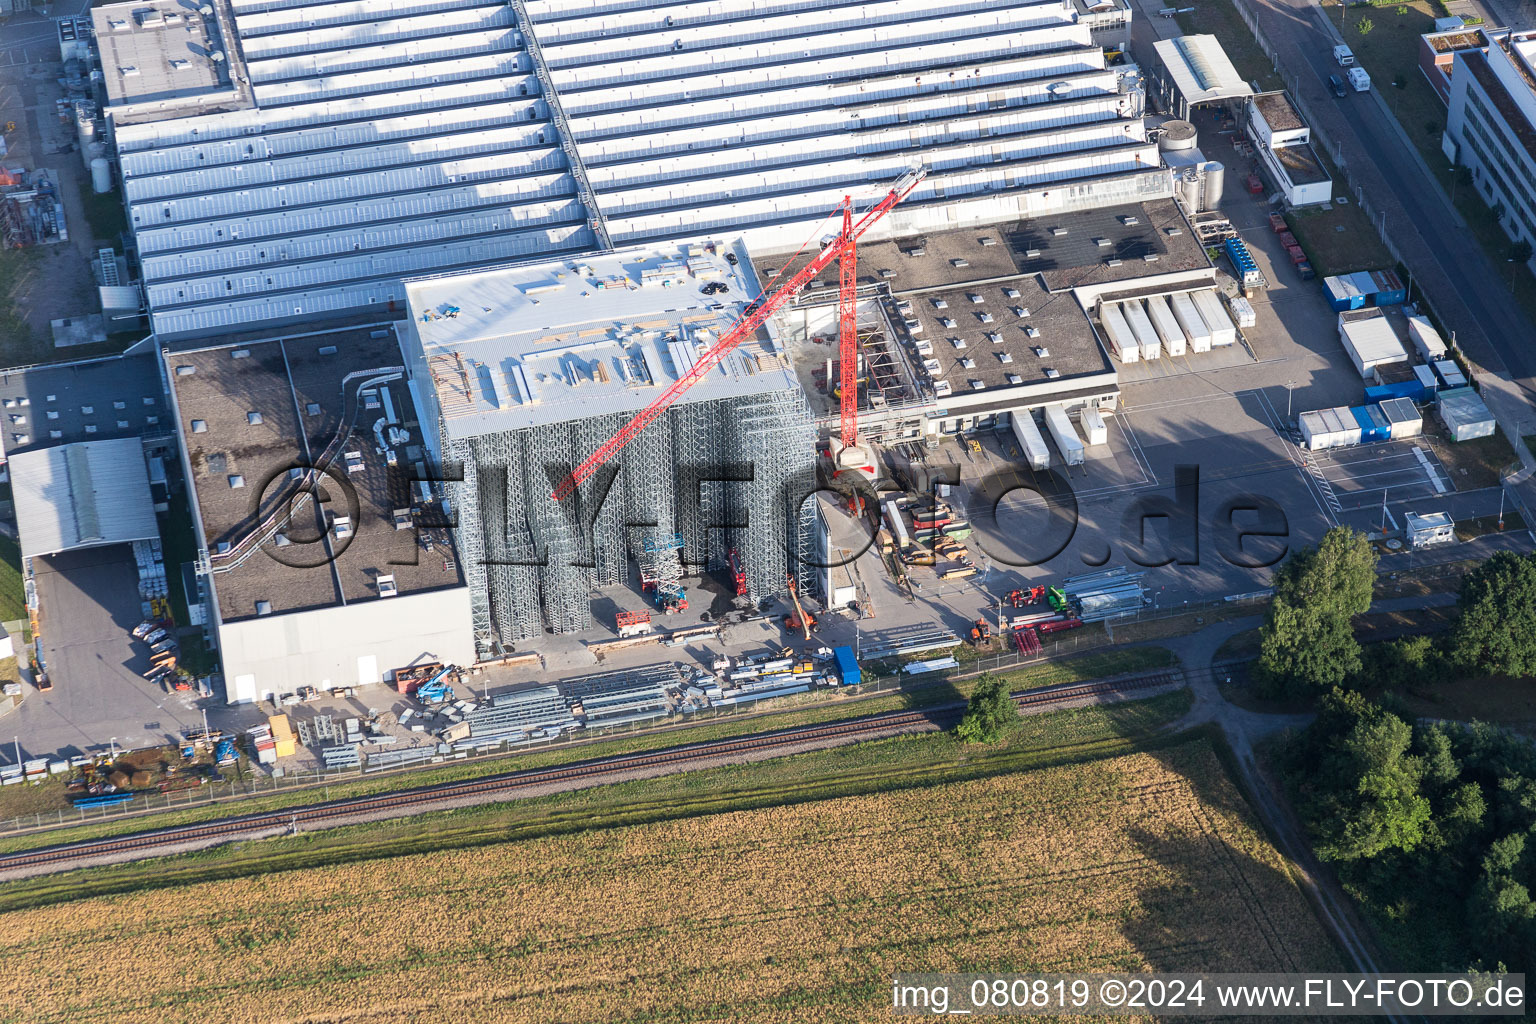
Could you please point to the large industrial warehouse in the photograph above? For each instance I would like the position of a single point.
(556, 207)
(350, 145)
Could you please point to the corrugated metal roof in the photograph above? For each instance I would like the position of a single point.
(82, 495)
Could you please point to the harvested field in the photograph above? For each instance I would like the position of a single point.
(789, 913)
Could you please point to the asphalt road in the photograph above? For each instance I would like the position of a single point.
(1470, 292)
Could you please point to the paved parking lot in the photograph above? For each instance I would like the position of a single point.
(90, 601)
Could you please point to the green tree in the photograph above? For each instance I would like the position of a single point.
(1501, 908)
(991, 713)
(1496, 631)
(1367, 797)
(1365, 26)
(1307, 644)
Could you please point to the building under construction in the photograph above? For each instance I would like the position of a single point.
(528, 370)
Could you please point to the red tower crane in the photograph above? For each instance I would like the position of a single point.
(759, 310)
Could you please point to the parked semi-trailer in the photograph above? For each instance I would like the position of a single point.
(1032, 447)
(1167, 325)
(1122, 340)
(1065, 435)
(1216, 318)
(1189, 318)
(1146, 336)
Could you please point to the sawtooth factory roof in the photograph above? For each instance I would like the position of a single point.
(391, 140)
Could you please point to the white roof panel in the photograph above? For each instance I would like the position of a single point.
(82, 495)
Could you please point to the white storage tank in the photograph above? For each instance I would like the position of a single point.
(1032, 446)
(1187, 188)
(1141, 325)
(1215, 181)
(1166, 324)
(1177, 135)
(1189, 318)
(1065, 436)
(1094, 429)
(101, 175)
(1118, 333)
(1215, 316)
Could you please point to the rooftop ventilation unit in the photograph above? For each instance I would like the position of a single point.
(387, 586)
(977, 385)
(1011, 293)
(342, 527)
(181, 371)
(1051, 374)
(1014, 378)
(263, 607)
(1112, 263)
(236, 481)
(1059, 232)
(253, 418)
(326, 350)
(1042, 352)
(987, 241)
(1005, 357)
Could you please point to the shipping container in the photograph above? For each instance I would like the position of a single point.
(1329, 428)
(1369, 341)
(1450, 374)
(1094, 430)
(1465, 415)
(1428, 380)
(1404, 417)
(1387, 288)
(1410, 389)
(1141, 325)
(1166, 325)
(1373, 425)
(1348, 291)
(1215, 316)
(1032, 447)
(1242, 312)
(1067, 441)
(1118, 334)
(1426, 340)
(1189, 318)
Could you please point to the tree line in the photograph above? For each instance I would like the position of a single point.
(1432, 825)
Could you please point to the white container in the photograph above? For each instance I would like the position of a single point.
(1215, 316)
(1242, 311)
(1141, 324)
(1426, 340)
(1093, 427)
(1370, 342)
(1122, 341)
(1404, 417)
(1067, 441)
(1189, 318)
(1166, 325)
(1032, 447)
(101, 175)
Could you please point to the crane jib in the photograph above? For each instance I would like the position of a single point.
(749, 323)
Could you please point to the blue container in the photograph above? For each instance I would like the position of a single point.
(1387, 288)
(847, 665)
(1344, 292)
(1373, 423)
(1411, 389)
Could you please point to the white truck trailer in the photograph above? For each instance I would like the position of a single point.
(1065, 435)
(1188, 316)
(1146, 335)
(1167, 325)
(1122, 341)
(1216, 318)
(1094, 429)
(1032, 447)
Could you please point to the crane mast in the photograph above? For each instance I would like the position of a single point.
(848, 330)
(756, 313)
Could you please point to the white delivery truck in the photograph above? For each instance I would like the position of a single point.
(1344, 55)
(1359, 80)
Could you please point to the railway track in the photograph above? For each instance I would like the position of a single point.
(591, 772)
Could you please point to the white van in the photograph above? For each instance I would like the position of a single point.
(1344, 55)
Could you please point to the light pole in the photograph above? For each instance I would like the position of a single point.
(1289, 387)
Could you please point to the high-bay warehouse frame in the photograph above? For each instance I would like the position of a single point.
(528, 370)
(352, 144)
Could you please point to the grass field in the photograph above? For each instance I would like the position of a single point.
(13, 595)
(799, 912)
(15, 800)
